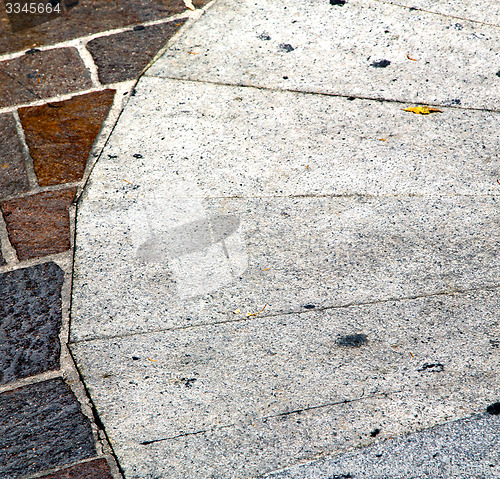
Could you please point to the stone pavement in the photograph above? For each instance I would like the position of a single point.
(281, 270)
(64, 78)
(278, 271)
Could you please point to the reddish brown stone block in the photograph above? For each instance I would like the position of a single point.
(84, 17)
(123, 56)
(97, 469)
(38, 225)
(13, 178)
(60, 135)
(39, 75)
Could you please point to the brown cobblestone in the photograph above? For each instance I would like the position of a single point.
(38, 225)
(97, 469)
(86, 17)
(13, 178)
(40, 74)
(123, 56)
(60, 135)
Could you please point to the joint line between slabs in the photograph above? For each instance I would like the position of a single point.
(309, 311)
(335, 95)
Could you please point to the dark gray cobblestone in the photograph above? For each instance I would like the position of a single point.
(42, 427)
(30, 320)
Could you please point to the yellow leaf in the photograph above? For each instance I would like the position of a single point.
(422, 110)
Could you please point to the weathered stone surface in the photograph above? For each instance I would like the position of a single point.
(97, 469)
(123, 56)
(60, 135)
(459, 450)
(38, 225)
(30, 320)
(13, 178)
(34, 76)
(84, 17)
(41, 427)
(227, 399)
(362, 49)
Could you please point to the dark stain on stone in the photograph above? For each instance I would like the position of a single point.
(309, 306)
(188, 382)
(264, 36)
(285, 78)
(380, 64)
(137, 155)
(341, 476)
(352, 340)
(338, 2)
(375, 432)
(456, 101)
(351, 98)
(498, 73)
(432, 368)
(138, 28)
(493, 409)
(286, 47)
(412, 9)
(32, 50)
(135, 358)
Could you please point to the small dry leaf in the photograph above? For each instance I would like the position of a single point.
(422, 110)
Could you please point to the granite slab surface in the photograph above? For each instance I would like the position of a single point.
(360, 48)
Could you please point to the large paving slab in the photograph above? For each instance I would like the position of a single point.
(360, 48)
(267, 277)
(391, 366)
(485, 12)
(460, 449)
(192, 192)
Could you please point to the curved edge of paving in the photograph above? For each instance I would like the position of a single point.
(460, 449)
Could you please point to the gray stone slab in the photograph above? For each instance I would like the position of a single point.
(485, 11)
(245, 398)
(460, 449)
(363, 48)
(42, 427)
(30, 321)
(202, 140)
(185, 220)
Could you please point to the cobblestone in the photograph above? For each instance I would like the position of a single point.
(13, 178)
(41, 427)
(33, 76)
(38, 225)
(123, 56)
(30, 321)
(60, 135)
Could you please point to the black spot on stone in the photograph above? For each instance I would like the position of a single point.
(375, 432)
(380, 64)
(112, 156)
(456, 101)
(286, 47)
(431, 368)
(309, 306)
(352, 340)
(285, 78)
(351, 98)
(138, 28)
(493, 409)
(32, 50)
(458, 26)
(135, 358)
(264, 36)
(341, 476)
(134, 91)
(412, 9)
(188, 382)
(338, 2)
(137, 155)
(498, 73)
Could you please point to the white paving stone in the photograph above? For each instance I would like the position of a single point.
(334, 49)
